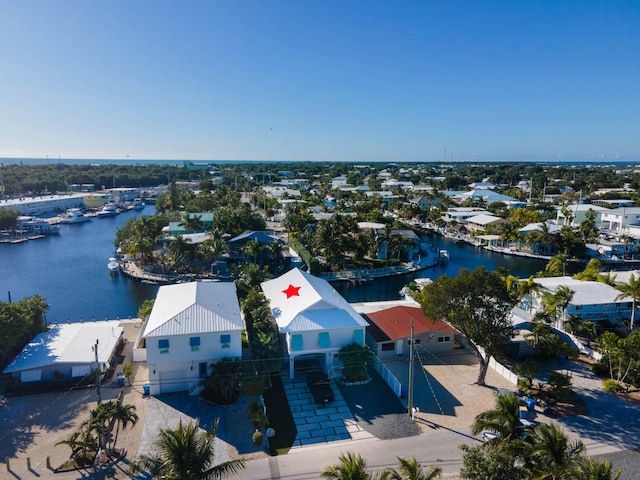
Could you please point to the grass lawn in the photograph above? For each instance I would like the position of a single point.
(280, 417)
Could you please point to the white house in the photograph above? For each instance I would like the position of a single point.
(462, 214)
(314, 319)
(67, 352)
(592, 301)
(620, 219)
(576, 214)
(479, 223)
(191, 326)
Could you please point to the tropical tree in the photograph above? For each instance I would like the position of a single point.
(350, 466)
(187, 453)
(552, 455)
(556, 266)
(503, 420)
(526, 288)
(123, 415)
(275, 250)
(253, 248)
(250, 276)
(592, 469)
(355, 358)
(492, 463)
(221, 386)
(476, 303)
(410, 469)
(630, 289)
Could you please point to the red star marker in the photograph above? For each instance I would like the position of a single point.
(291, 291)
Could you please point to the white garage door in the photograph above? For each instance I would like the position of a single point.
(31, 376)
(173, 381)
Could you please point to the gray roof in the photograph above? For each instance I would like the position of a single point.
(69, 344)
(585, 293)
(193, 308)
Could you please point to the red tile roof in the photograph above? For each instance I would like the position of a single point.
(395, 322)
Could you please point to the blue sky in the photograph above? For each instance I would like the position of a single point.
(320, 80)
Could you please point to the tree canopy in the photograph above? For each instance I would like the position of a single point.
(477, 304)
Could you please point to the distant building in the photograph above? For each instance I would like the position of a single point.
(44, 204)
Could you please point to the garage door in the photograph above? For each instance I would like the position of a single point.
(173, 381)
(31, 376)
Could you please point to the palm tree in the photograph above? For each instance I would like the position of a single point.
(187, 453)
(275, 249)
(222, 384)
(504, 420)
(592, 469)
(410, 469)
(526, 288)
(351, 466)
(630, 289)
(589, 328)
(123, 416)
(552, 455)
(557, 266)
(253, 248)
(563, 297)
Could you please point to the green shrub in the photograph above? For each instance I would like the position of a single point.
(257, 438)
(612, 386)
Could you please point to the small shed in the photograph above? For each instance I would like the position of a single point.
(68, 351)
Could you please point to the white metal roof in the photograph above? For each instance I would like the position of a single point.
(585, 293)
(484, 219)
(69, 344)
(196, 307)
(301, 302)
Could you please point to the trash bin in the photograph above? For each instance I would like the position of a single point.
(531, 404)
(120, 378)
(145, 388)
(523, 412)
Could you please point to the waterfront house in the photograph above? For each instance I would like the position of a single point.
(191, 327)
(461, 214)
(480, 223)
(592, 301)
(574, 215)
(314, 319)
(67, 352)
(237, 245)
(620, 220)
(389, 330)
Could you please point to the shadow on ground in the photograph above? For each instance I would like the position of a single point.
(378, 410)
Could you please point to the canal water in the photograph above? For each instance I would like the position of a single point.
(70, 271)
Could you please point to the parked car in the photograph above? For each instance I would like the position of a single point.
(320, 387)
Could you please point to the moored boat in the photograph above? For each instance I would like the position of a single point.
(109, 210)
(113, 264)
(74, 215)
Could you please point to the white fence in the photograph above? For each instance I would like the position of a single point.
(388, 377)
(504, 371)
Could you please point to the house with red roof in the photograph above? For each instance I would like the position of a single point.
(389, 330)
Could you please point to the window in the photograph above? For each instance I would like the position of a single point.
(416, 341)
(443, 339)
(579, 307)
(387, 347)
(194, 342)
(163, 345)
(323, 340)
(225, 340)
(296, 342)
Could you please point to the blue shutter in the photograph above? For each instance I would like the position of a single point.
(323, 339)
(296, 342)
(358, 336)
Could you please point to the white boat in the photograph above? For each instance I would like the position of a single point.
(443, 256)
(113, 264)
(74, 215)
(34, 226)
(138, 204)
(109, 210)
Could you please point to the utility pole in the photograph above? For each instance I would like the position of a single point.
(95, 349)
(410, 393)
